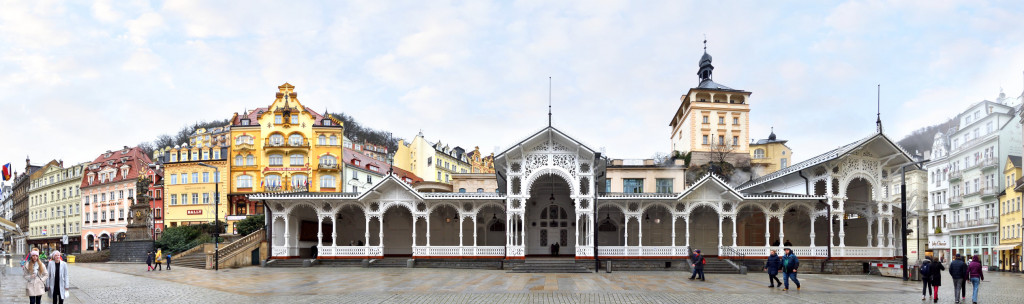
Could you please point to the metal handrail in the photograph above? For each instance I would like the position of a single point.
(733, 252)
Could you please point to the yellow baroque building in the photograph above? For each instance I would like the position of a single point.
(1010, 217)
(770, 155)
(285, 146)
(191, 190)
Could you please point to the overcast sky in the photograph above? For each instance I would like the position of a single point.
(81, 78)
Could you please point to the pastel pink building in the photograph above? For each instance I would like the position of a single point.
(107, 184)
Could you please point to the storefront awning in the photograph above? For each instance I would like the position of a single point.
(1007, 247)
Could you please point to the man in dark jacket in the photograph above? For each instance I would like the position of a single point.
(958, 271)
(789, 266)
(772, 267)
(697, 262)
(926, 280)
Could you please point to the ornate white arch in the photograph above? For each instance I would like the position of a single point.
(551, 170)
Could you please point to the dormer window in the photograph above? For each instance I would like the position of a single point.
(244, 122)
(326, 122)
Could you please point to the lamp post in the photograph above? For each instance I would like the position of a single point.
(216, 215)
(63, 246)
(903, 205)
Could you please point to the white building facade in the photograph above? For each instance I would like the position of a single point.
(548, 195)
(966, 180)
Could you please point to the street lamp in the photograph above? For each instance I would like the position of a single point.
(216, 214)
(64, 245)
(903, 204)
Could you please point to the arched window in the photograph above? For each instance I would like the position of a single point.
(321, 140)
(277, 140)
(244, 139)
(334, 140)
(462, 190)
(272, 181)
(297, 160)
(244, 181)
(327, 181)
(250, 160)
(328, 160)
(299, 181)
(238, 160)
(759, 153)
(276, 159)
(295, 140)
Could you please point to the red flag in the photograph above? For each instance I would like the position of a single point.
(7, 172)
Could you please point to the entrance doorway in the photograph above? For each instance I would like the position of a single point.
(550, 215)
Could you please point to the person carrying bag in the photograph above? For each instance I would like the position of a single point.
(35, 278)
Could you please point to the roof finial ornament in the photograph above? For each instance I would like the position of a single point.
(705, 42)
(549, 101)
(878, 120)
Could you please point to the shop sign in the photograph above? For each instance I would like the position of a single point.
(236, 217)
(938, 243)
(288, 169)
(194, 212)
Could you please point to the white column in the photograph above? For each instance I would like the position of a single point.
(734, 244)
(287, 237)
(881, 229)
(687, 230)
(428, 229)
(366, 227)
(782, 230)
(673, 230)
(812, 230)
(842, 222)
(474, 230)
(869, 234)
(640, 230)
(460, 230)
(414, 220)
(892, 232)
(719, 232)
(319, 231)
(334, 230)
(625, 232)
(767, 230)
(380, 234)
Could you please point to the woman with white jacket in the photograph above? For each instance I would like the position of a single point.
(57, 280)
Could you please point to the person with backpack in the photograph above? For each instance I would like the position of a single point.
(149, 260)
(935, 275)
(926, 280)
(975, 273)
(958, 272)
(168, 262)
(697, 262)
(772, 267)
(159, 260)
(790, 263)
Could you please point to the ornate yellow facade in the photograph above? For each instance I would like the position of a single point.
(193, 192)
(1010, 217)
(479, 163)
(770, 155)
(285, 146)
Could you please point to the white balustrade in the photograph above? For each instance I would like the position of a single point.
(458, 251)
(643, 251)
(349, 251)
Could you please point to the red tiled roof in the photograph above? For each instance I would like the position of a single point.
(136, 160)
(253, 117)
(366, 161)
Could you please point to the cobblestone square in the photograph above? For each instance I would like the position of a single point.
(131, 283)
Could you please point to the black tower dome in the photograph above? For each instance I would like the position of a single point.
(704, 73)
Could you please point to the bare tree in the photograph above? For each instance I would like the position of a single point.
(661, 158)
(720, 151)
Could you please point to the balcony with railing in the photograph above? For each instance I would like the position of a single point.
(956, 175)
(974, 223)
(988, 163)
(328, 166)
(269, 143)
(984, 192)
(955, 201)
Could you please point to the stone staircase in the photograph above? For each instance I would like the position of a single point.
(340, 263)
(193, 260)
(549, 266)
(389, 263)
(715, 265)
(288, 263)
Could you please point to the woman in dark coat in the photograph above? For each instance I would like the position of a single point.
(936, 268)
(772, 267)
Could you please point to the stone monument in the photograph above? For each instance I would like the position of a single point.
(139, 240)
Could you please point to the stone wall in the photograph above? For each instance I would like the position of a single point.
(130, 251)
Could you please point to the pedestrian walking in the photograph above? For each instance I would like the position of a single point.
(935, 275)
(790, 263)
(149, 260)
(926, 280)
(772, 267)
(159, 260)
(168, 262)
(958, 272)
(57, 280)
(697, 263)
(976, 275)
(35, 278)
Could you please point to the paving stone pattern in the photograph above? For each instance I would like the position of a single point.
(131, 283)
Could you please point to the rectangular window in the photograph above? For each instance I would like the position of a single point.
(735, 140)
(706, 119)
(195, 178)
(735, 120)
(783, 163)
(174, 199)
(721, 140)
(721, 120)
(607, 185)
(633, 185)
(216, 176)
(174, 179)
(195, 198)
(664, 185)
(277, 119)
(705, 139)
(295, 118)
(206, 198)
(206, 177)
